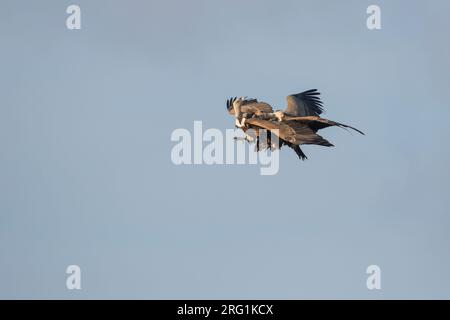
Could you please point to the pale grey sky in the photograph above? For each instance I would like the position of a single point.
(85, 170)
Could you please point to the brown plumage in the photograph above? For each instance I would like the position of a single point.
(296, 125)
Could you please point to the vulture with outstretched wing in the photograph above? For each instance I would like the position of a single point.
(296, 125)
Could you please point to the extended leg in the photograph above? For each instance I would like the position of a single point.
(257, 139)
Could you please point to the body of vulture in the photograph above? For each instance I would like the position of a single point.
(298, 124)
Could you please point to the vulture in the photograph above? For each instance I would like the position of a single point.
(298, 124)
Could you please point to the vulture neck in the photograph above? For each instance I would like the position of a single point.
(238, 116)
(237, 112)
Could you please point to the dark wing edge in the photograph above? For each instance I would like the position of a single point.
(307, 103)
(346, 126)
(317, 123)
(230, 104)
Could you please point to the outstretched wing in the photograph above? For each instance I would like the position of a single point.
(317, 123)
(294, 132)
(304, 104)
(249, 106)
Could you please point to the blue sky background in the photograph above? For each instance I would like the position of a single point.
(85, 170)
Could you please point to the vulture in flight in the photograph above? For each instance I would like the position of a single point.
(296, 125)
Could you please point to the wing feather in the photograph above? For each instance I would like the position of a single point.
(250, 106)
(304, 104)
(291, 131)
(317, 123)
